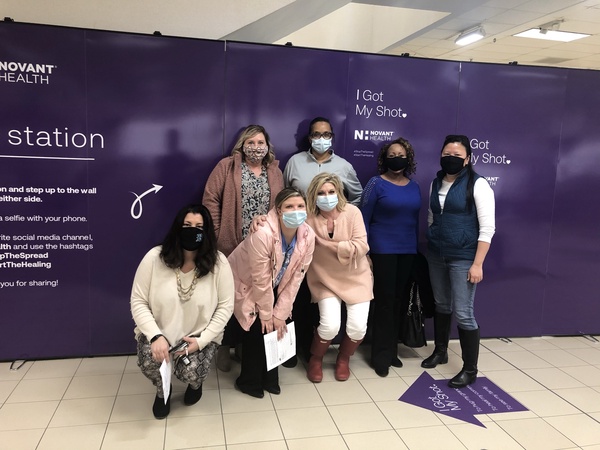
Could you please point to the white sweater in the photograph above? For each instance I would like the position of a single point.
(157, 309)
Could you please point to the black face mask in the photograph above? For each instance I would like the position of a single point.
(452, 164)
(395, 164)
(191, 238)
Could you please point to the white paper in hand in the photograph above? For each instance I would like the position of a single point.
(278, 352)
(165, 373)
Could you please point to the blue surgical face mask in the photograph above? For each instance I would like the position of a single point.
(327, 202)
(293, 219)
(321, 145)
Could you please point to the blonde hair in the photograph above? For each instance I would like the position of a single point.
(316, 184)
(249, 132)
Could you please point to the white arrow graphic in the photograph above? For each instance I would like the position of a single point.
(137, 204)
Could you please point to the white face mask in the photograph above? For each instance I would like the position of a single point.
(321, 145)
(327, 202)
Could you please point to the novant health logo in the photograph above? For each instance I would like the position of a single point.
(26, 72)
(373, 135)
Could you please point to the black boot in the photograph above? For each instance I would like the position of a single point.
(192, 396)
(160, 409)
(469, 343)
(441, 328)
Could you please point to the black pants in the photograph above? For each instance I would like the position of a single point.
(254, 375)
(390, 275)
(306, 318)
(233, 333)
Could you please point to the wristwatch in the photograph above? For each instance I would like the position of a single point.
(155, 338)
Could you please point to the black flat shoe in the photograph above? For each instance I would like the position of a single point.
(382, 371)
(292, 362)
(160, 409)
(251, 392)
(276, 390)
(396, 362)
(192, 396)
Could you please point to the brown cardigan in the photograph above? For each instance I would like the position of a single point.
(223, 198)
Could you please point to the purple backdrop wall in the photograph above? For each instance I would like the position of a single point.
(105, 135)
(572, 281)
(283, 88)
(500, 108)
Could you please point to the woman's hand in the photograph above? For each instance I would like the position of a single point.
(280, 326)
(193, 344)
(475, 274)
(191, 348)
(160, 350)
(258, 221)
(267, 326)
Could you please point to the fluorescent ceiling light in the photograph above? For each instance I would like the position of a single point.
(471, 35)
(551, 35)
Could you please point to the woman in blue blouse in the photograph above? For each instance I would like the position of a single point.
(390, 205)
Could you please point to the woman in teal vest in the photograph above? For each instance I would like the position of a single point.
(461, 225)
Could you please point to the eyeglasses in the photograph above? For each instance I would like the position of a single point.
(317, 135)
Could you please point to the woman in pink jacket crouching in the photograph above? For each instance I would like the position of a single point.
(268, 267)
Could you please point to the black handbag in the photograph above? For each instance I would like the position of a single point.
(413, 323)
(420, 275)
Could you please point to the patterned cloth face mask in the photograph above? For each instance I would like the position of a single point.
(255, 155)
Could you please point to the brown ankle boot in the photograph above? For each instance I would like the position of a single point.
(315, 363)
(342, 364)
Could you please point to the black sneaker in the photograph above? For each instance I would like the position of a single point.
(192, 395)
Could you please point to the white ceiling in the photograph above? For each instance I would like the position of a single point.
(421, 28)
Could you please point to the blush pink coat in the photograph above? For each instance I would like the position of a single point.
(340, 267)
(255, 264)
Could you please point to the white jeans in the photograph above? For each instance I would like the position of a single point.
(330, 312)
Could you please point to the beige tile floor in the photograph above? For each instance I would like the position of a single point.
(105, 403)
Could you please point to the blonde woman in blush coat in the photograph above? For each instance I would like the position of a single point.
(340, 273)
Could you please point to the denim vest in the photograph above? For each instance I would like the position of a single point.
(455, 230)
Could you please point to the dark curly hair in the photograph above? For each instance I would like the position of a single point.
(410, 155)
(172, 252)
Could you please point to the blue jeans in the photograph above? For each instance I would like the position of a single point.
(453, 293)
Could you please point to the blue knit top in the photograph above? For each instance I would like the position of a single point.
(391, 215)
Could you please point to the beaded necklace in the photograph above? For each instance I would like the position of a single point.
(186, 293)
